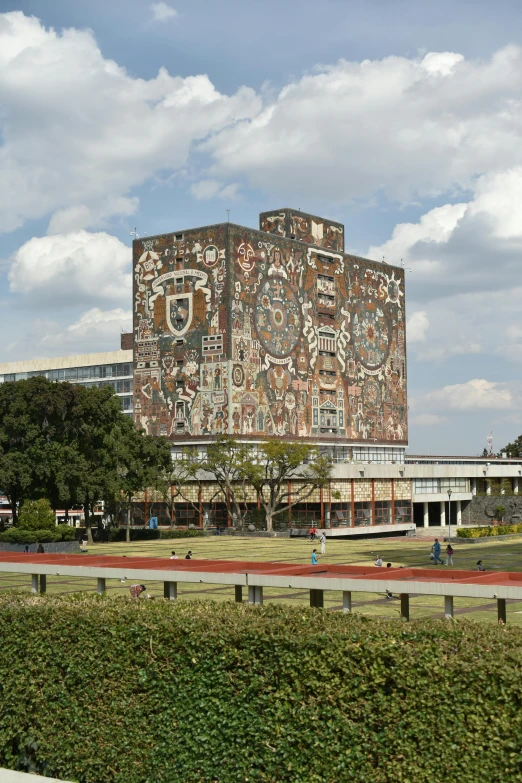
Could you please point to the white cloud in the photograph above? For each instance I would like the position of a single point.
(211, 188)
(427, 420)
(95, 330)
(406, 127)
(473, 395)
(64, 269)
(78, 138)
(416, 326)
(161, 12)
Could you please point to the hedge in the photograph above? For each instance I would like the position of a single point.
(144, 534)
(480, 532)
(99, 690)
(17, 535)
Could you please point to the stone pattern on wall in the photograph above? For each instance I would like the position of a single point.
(298, 225)
(250, 335)
(481, 510)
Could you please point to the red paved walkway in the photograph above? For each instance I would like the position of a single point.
(507, 578)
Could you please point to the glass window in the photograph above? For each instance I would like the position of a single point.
(10, 377)
(71, 374)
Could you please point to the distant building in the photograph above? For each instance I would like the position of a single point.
(112, 368)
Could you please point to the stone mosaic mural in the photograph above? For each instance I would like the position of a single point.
(311, 229)
(254, 334)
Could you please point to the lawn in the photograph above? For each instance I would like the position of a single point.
(496, 555)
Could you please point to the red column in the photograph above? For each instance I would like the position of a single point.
(393, 501)
(353, 502)
(322, 506)
(373, 501)
(200, 507)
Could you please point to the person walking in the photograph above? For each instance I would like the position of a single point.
(315, 559)
(378, 562)
(312, 534)
(322, 539)
(449, 555)
(435, 550)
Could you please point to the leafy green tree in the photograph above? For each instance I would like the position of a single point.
(278, 463)
(37, 515)
(142, 461)
(513, 449)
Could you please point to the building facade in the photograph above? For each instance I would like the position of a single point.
(275, 333)
(268, 333)
(111, 368)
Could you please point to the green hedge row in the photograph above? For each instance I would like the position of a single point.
(17, 535)
(145, 534)
(99, 690)
(480, 532)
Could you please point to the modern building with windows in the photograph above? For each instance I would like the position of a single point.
(112, 368)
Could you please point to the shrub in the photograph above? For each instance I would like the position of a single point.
(37, 515)
(144, 534)
(16, 535)
(229, 693)
(500, 512)
(484, 532)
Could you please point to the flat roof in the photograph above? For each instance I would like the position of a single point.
(65, 362)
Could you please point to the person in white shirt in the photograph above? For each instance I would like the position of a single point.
(322, 539)
(173, 556)
(378, 562)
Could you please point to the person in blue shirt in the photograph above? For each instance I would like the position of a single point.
(436, 553)
(315, 559)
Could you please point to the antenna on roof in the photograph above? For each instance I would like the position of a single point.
(405, 267)
(135, 233)
(489, 441)
(228, 216)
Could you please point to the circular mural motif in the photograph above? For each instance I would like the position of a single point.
(370, 335)
(277, 317)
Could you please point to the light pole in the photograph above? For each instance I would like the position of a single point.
(449, 515)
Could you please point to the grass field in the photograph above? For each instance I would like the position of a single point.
(497, 556)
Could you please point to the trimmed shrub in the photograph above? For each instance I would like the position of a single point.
(144, 534)
(119, 691)
(16, 535)
(484, 532)
(37, 515)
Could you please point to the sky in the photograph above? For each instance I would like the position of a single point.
(400, 119)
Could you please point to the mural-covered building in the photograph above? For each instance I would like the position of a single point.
(269, 333)
(276, 333)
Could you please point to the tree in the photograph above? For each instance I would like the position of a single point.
(143, 460)
(37, 515)
(513, 449)
(276, 465)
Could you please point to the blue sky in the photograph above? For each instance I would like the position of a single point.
(401, 119)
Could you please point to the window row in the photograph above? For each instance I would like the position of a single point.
(75, 373)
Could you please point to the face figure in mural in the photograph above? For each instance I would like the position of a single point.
(276, 268)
